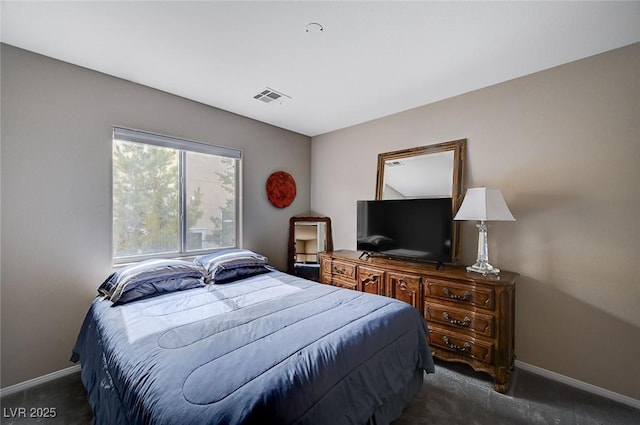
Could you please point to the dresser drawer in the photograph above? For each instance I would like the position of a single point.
(460, 344)
(343, 270)
(465, 294)
(371, 280)
(338, 273)
(348, 284)
(405, 287)
(464, 320)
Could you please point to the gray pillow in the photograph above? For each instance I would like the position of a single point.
(232, 264)
(151, 277)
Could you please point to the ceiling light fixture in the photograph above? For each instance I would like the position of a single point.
(313, 27)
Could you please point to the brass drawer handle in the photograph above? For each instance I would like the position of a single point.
(462, 348)
(370, 280)
(465, 322)
(465, 297)
(339, 271)
(403, 285)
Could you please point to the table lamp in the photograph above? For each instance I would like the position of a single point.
(483, 204)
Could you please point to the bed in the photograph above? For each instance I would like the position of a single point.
(261, 348)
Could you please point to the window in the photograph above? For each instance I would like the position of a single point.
(172, 197)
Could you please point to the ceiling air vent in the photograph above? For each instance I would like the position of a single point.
(269, 95)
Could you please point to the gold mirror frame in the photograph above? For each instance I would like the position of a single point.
(458, 147)
(328, 239)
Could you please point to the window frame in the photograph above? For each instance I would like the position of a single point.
(183, 146)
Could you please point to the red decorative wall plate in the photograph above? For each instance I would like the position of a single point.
(281, 189)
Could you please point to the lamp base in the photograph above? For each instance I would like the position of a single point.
(482, 265)
(483, 268)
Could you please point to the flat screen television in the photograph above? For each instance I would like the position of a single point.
(418, 229)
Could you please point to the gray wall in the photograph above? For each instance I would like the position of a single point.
(563, 145)
(57, 123)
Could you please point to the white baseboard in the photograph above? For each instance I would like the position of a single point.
(39, 380)
(579, 384)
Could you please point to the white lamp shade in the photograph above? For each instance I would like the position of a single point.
(481, 203)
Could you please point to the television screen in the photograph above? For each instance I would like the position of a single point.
(418, 229)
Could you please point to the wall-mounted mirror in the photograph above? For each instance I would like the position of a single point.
(434, 171)
(308, 236)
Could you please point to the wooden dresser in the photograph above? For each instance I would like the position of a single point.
(470, 316)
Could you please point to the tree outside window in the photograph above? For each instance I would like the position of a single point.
(168, 201)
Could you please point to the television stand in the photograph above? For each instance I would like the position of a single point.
(470, 317)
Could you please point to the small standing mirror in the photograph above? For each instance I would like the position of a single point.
(308, 236)
(434, 171)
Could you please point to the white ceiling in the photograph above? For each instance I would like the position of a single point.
(371, 59)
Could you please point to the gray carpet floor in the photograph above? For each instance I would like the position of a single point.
(455, 394)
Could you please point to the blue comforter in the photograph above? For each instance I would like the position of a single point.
(270, 349)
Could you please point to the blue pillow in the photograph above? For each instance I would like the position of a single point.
(151, 277)
(232, 264)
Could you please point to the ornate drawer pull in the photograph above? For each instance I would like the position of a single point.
(465, 297)
(339, 271)
(370, 280)
(465, 322)
(462, 348)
